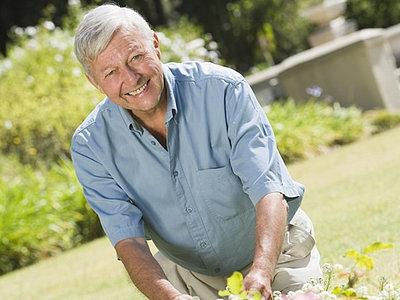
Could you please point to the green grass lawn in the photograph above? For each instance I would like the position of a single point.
(352, 195)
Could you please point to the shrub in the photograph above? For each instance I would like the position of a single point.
(185, 41)
(44, 95)
(306, 129)
(382, 120)
(42, 212)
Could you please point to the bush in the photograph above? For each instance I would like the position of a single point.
(42, 212)
(382, 120)
(44, 95)
(185, 41)
(306, 129)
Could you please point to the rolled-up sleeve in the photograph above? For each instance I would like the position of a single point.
(254, 156)
(119, 216)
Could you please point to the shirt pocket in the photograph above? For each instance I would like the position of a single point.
(221, 191)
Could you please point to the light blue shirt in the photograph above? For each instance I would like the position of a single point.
(196, 200)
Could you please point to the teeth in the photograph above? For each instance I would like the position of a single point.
(138, 91)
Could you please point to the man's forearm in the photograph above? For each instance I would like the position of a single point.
(271, 219)
(144, 270)
(271, 215)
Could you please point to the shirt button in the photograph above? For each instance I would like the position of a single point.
(203, 245)
(175, 173)
(153, 143)
(189, 210)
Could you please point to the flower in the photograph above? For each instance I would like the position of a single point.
(314, 91)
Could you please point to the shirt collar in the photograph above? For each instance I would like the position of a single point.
(169, 83)
(129, 120)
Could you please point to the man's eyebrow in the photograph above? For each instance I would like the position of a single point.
(132, 48)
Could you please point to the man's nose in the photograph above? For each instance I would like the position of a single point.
(130, 75)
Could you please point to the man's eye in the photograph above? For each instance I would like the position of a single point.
(136, 57)
(110, 73)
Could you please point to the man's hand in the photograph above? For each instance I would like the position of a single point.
(271, 214)
(258, 280)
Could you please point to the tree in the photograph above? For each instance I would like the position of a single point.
(373, 14)
(251, 32)
(25, 13)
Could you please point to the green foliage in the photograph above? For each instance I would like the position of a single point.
(382, 120)
(305, 129)
(185, 41)
(234, 289)
(372, 13)
(42, 212)
(251, 32)
(353, 275)
(44, 95)
(320, 288)
(361, 259)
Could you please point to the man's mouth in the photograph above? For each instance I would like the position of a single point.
(138, 91)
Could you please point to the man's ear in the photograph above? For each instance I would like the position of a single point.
(94, 83)
(156, 44)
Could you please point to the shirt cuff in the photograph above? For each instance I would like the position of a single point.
(292, 193)
(134, 231)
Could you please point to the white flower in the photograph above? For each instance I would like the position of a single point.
(74, 2)
(194, 44)
(327, 268)
(30, 30)
(17, 30)
(362, 291)
(8, 124)
(213, 45)
(388, 287)
(49, 25)
(337, 267)
(291, 294)
(33, 44)
(58, 58)
(76, 72)
(276, 294)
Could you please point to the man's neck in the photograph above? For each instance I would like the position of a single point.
(154, 121)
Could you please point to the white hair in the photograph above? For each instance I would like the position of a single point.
(98, 26)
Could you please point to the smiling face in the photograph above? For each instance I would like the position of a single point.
(129, 72)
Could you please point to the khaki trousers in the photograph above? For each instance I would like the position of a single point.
(298, 262)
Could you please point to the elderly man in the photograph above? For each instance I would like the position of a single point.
(184, 155)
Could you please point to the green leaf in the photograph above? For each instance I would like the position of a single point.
(350, 293)
(353, 254)
(256, 295)
(337, 291)
(365, 262)
(235, 283)
(377, 246)
(223, 293)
